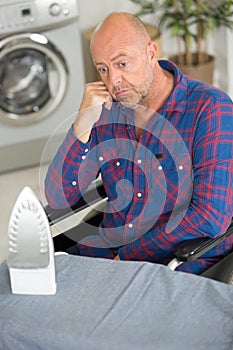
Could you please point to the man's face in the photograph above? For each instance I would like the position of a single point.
(125, 68)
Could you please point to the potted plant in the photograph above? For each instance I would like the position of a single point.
(191, 23)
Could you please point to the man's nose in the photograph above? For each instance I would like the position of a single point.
(115, 77)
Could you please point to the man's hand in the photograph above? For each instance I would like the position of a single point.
(95, 95)
(117, 257)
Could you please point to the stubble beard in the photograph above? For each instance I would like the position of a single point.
(142, 95)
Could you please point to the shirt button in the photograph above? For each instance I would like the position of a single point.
(139, 161)
(130, 225)
(83, 157)
(128, 127)
(118, 163)
(86, 150)
(101, 158)
(139, 194)
(74, 183)
(160, 167)
(180, 167)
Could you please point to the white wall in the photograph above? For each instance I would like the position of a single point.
(93, 11)
(221, 47)
(229, 55)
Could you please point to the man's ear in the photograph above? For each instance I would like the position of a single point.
(152, 51)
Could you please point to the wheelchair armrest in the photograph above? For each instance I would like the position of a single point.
(56, 215)
(193, 249)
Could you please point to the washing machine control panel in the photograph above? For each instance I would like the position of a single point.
(25, 16)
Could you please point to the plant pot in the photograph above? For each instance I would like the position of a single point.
(203, 72)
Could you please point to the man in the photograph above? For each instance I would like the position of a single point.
(163, 144)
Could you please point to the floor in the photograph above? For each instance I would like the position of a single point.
(10, 186)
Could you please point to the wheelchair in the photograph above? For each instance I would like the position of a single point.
(189, 251)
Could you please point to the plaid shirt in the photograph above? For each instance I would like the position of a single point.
(173, 185)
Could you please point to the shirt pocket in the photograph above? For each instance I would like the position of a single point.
(174, 176)
(173, 172)
(163, 163)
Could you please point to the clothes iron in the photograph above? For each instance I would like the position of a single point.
(30, 247)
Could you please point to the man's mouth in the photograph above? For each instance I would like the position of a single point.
(121, 93)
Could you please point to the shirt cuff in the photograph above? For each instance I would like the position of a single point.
(125, 253)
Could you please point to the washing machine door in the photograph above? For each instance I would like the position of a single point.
(33, 78)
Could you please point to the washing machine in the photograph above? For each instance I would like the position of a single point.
(41, 77)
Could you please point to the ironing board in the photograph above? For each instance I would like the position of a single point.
(104, 304)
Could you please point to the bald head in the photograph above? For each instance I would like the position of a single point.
(125, 57)
(121, 23)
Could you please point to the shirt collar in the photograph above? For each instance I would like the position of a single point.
(176, 101)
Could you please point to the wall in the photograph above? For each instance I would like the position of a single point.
(223, 50)
(229, 55)
(93, 11)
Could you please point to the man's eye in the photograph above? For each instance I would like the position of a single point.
(102, 70)
(123, 64)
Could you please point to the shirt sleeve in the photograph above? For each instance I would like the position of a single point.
(69, 174)
(210, 209)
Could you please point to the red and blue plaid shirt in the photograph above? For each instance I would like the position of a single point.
(172, 185)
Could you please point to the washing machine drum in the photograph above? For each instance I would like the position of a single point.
(24, 82)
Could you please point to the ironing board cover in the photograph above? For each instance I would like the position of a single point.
(104, 304)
